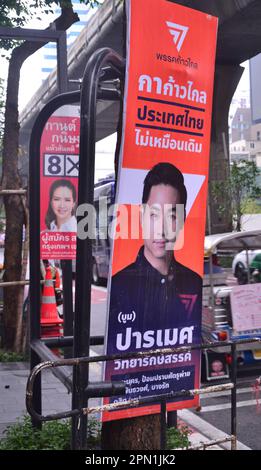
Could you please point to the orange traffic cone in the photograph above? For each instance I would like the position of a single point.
(57, 283)
(49, 314)
(50, 321)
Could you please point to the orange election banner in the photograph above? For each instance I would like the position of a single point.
(155, 290)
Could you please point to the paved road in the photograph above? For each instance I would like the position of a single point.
(98, 310)
(216, 410)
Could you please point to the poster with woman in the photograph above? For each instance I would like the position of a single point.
(59, 183)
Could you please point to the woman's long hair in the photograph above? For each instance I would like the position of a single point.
(50, 215)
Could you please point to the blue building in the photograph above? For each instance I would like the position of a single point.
(49, 51)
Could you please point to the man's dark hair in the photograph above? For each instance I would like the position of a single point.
(165, 173)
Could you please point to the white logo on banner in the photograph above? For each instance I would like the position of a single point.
(178, 32)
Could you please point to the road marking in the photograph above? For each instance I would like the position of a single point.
(226, 406)
(208, 430)
(95, 367)
(226, 393)
(102, 289)
(98, 296)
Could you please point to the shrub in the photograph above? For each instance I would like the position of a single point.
(21, 436)
(178, 438)
(54, 435)
(11, 356)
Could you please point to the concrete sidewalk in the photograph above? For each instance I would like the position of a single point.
(13, 379)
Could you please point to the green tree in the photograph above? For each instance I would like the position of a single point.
(241, 189)
(17, 13)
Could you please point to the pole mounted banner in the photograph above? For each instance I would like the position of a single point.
(155, 282)
(58, 184)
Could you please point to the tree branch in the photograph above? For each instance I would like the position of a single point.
(62, 23)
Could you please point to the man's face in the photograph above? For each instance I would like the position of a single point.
(159, 221)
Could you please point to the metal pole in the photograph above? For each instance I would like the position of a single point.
(163, 424)
(4, 192)
(248, 267)
(35, 278)
(29, 34)
(234, 396)
(209, 216)
(84, 247)
(67, 302)
(211, 282)
(172, 419)
(62, 73)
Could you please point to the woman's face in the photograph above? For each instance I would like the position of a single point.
(62, 204)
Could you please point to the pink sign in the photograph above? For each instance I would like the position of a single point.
(59, 184)
(246, 307)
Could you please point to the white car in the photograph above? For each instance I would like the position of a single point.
(240, 264)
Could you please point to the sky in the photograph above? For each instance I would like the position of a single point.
(243, 88)
(29, 86)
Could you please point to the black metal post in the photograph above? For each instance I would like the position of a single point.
(172, 419)
(234, 396)
(67, 341)
(30, 34)
(163, 424)
(67, 302)
(62, 74)
(34, 291)
(90, 81)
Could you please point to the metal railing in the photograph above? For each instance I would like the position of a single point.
(108, 389)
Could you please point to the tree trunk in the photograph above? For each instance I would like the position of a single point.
(238, 222)
(12, 262)
(21, 329)
(141, 433)
(14, 208)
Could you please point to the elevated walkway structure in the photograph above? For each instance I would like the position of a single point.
(239, 38)
(105, 28)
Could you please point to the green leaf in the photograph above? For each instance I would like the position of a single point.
(54, 435)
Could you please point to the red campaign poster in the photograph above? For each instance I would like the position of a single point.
(155, 284)
(59, 154)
